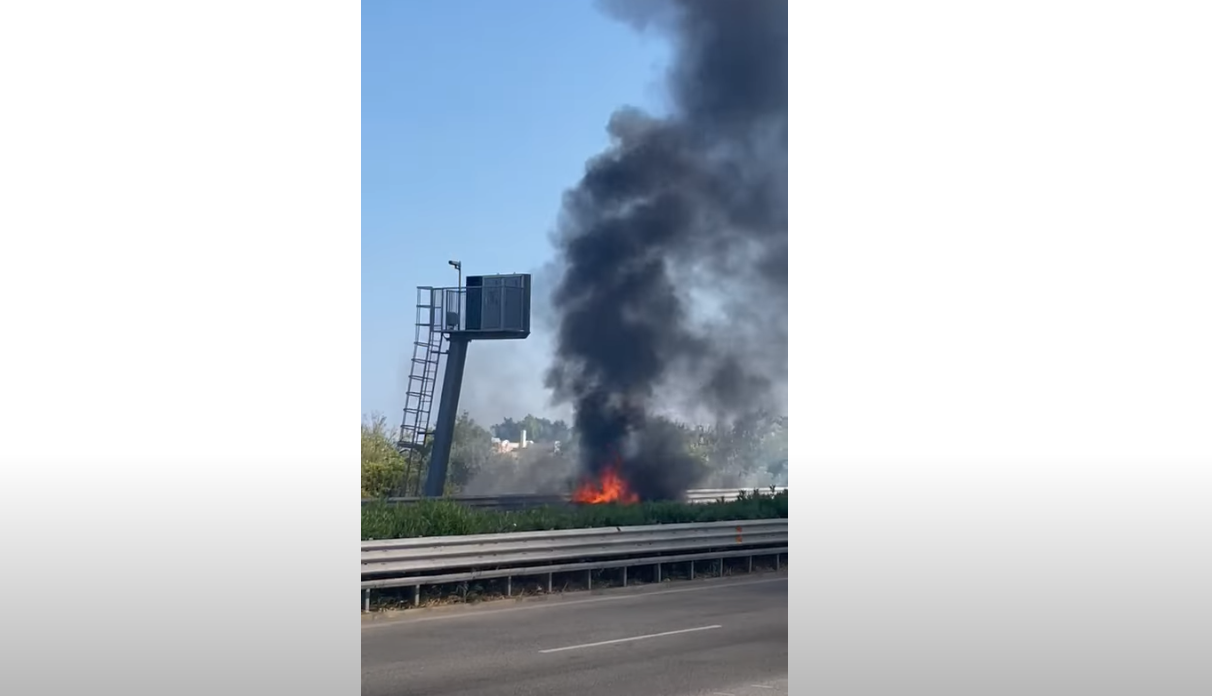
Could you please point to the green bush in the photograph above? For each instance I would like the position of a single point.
(448, 518)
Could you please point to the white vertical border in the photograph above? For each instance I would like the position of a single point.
(179, 309)
(1001, 324)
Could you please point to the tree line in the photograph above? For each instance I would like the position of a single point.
(750, 451)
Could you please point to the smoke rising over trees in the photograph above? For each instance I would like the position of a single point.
(667, 298)
(673, 249)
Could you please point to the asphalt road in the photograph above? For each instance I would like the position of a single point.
(713, 637)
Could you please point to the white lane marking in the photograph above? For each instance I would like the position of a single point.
(628, 640)
(407, 620)
(720, 693)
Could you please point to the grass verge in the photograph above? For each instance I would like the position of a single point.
(448, 518)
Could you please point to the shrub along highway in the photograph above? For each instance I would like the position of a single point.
(450, 517)
(726, 637)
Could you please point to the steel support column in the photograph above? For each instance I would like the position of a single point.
(448, 413)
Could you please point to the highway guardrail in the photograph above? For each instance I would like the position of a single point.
(427, 561)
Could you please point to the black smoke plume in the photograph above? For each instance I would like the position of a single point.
(673, 248)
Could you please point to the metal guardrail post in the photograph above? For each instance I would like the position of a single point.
(457, 560)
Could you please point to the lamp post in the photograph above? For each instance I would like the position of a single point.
(458, 298)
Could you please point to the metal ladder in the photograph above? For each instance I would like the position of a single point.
(428, 348)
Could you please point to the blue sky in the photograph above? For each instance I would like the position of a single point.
(476, 116)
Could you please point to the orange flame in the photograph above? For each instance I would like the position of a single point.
(610, 488)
